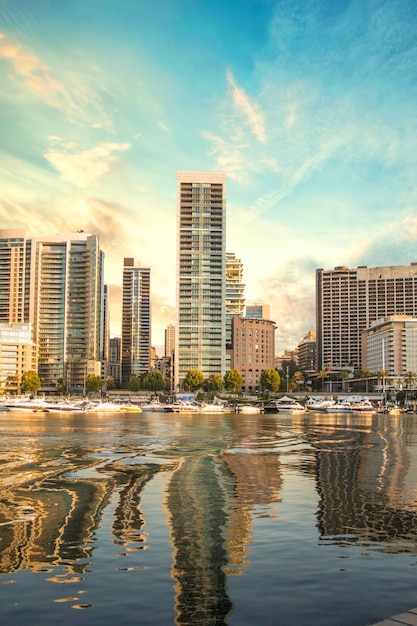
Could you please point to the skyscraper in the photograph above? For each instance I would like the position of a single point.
(14, 275)
(66, 304)
(349, 300)
(235, 293)
(200, 338)
(55, 282)
(136, 320)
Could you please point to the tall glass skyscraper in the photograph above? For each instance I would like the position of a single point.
(200, 338)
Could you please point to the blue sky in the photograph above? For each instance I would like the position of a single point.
(309, 108)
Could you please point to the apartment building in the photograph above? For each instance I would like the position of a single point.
(253, 349)
(200, 338)
(136, 320)
(17, 355)
(390, 345)
(55, 283)
(350, 300)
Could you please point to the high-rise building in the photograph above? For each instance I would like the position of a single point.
(235, 293)
(307, 350)
(55, 282)
(136, 320)
(67, 272)
(200, 336)
(349, 300)
(14, 275)
(115, 367)
(390, 345)
(169, 341)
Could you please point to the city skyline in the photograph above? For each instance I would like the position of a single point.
(309, 111)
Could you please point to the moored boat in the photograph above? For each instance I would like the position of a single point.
(289, 405)
(249, 408)
(320, 406)
(27, 405)
(182, 407)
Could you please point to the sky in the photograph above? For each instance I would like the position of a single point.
(310, 107)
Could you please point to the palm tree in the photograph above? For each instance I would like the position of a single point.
(322, 374)
(410, 378)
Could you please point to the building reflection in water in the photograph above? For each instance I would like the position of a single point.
(367, 486)
(52, 502)
(50, 521)
(209, 500)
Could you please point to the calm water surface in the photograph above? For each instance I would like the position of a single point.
(158, 518)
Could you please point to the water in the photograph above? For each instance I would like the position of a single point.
(160, 518)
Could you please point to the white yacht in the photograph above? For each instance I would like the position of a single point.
(320, 406)
(289, 405)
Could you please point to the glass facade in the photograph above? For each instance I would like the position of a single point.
(201, 276)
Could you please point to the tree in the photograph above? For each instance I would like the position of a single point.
(233, 381)
(93, 383)
(270, 380)
(322, 374)
(213, 383)
(30, 382)
(154, 381)
(109, 382)
(134, 383)
(193, 380)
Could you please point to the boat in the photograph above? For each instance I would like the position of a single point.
(319, 406)
(66, 407)
(130, 408)
(365, 406)
(289, 405)
(153, 405)
(214, 408)
(342, 406)
(271, 408)
(25, 405)
(249, 408)
(182, 407)
(103, 407)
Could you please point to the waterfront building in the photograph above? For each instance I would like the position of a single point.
(253, 349)
(115, 356)
(136, 320)
(200, 334)
(350, 300)
(14, 275)
(307, 350)
(55, 282)
(66, 305)
(17, 355)
(390, 345)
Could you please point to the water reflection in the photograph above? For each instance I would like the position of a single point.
(220, 474)
(366, 483)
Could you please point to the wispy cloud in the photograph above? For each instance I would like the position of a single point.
(39, 79)
(84, 168)
(249, 109)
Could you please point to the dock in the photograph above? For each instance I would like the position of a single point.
(409, 618)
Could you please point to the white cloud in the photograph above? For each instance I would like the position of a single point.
(38, 77)
(250, 109)
(83, 169)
